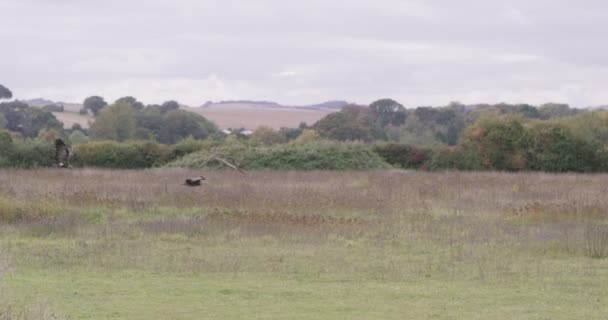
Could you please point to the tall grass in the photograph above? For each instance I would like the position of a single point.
(349, 226)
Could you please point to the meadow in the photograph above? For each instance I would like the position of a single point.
(387, 244)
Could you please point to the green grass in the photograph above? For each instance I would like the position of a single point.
(95, 244)
(141, 295)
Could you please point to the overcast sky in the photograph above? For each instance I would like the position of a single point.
(307, 51)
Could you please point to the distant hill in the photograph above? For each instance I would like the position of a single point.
(334, 105)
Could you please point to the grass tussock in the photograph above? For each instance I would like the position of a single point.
(19, 210)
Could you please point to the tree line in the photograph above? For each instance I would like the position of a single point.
(505, 137)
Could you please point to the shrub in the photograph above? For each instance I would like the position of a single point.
(454, 158)
(554, 148)
(315, 156)
(128, 155)
(29, 153)
(402, 155)
(499, 143)
(188, 146)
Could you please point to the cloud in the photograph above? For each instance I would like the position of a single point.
(516, 16)
(302, 52)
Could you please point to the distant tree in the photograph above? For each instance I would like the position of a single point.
(130, 101)
(5, 93)
(267, 136)
(427, 114)
(555, 110)
(353, 122)
(116, 122)
(307, 136)
(27, 120)
(169, 106)
(290, 134)
(95, 104)
(78, 126)
(388, 111)
(77, 137)
(3, 121)
(178, 124)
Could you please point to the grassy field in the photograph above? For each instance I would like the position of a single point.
(101, 244)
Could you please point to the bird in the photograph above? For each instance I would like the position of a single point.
(198, 181)
(63, 153)
(195, 182)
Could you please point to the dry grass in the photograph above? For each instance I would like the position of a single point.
(237, 116)
(387, 226)
(534, 209)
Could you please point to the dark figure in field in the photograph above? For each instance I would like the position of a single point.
(195, 182)
(198, 181)
(63, 152)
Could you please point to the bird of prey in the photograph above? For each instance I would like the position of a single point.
(195, 182)
(63, 153)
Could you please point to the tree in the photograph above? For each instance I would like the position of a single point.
(130, 101)
(5, 93)
(499, 143)
(388, 111)
(169, 106)
(116, 122)
(26, 120)
(353, 122)
(555, 110)
(554, 148)
(307, 136)
(179, 124)
(267, 136)
(95, 104)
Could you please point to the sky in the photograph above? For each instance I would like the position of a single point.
(420, 53)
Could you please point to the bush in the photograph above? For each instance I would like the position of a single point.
(128, 155)
(315, 156)
(554, 148)
(453, 158)
(31, 153)
(402, 155)
(188, 146)
(499, 143)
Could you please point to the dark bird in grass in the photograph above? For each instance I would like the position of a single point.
(198, 181)
(63, 153)
(195, 182)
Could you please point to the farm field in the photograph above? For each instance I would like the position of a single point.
(103, 244)
(225, 116)
(252, 117)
